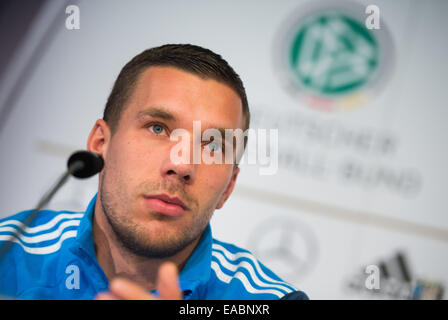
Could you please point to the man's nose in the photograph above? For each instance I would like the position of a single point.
(184, 172)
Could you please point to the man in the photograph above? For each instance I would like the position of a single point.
(146, 233)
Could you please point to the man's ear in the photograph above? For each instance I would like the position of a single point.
(229, 189)
(99, 138)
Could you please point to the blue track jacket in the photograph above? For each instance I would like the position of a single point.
(55, 259)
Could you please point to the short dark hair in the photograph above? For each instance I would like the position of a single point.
(187, 57)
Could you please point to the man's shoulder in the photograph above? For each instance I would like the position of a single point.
(44, 234)
(34, 259)
(238, 274)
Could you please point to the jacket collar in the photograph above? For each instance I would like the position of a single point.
(197, 270)
(84, 237)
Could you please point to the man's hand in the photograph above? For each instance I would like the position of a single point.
(167, 286)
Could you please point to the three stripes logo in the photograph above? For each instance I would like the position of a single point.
(43, 239)
(397, 282)
(243, 266)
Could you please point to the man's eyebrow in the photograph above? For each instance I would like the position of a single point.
(156, 112)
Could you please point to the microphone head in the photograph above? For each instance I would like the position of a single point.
(84, 164)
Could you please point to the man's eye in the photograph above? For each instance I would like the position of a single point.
(157, 129)
(214, 146)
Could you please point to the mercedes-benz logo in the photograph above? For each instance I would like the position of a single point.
(288, 246)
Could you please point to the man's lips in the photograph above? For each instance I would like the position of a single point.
(164, 204)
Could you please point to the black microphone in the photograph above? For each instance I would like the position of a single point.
(84, 164)
(81, 164)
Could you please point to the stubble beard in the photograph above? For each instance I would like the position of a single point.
(117, 207)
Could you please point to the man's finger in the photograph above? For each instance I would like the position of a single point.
(168, 282)
(128, 290)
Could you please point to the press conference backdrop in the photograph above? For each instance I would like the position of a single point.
(361, 116)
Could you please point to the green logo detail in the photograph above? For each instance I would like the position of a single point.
(333, 54)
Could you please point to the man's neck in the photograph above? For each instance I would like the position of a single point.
(118, 261)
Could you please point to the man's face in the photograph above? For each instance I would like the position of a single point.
(157, 207)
